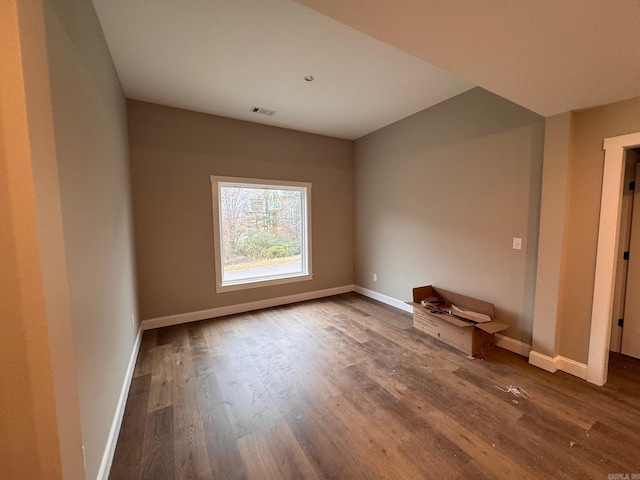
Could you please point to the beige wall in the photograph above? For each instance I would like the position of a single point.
(441, 194)
(173, 153)
(590, 128)
(90, 126)
(68, 287)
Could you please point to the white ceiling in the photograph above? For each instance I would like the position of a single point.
(225, 56)
(550, 56)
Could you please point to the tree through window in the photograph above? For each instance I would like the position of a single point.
(261, 232)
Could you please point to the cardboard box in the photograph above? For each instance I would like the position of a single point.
(468, 337)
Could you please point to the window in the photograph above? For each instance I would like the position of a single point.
(262, 232)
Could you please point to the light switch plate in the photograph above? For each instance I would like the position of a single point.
(517, 243)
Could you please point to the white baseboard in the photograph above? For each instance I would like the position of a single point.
(542, 361)
(241, 308)
(110, 449)
(576, 369)
(383, 298)
(553, 364)
(513, 345)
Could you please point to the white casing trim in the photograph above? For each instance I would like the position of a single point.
(241, 308)
(607, 254)
(110, 448)
(553, 364)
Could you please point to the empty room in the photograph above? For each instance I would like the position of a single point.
(278, 239)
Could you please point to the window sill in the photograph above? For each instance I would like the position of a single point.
(249, 284)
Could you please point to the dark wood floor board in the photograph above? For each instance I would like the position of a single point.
(323, 453)
(290, 459)
(286, 451)
(388, 332)
(190, 452)
(336, 317)
(345, 347)
(321, 344)
(515, 440)
(527, 449)
(574, 447)
(241, 325)
(469, 439)
(531, 447)
(330, 443)
(345, 388)
(624, 374)
(179, 338)
(396, 427)
(383, 365)
(174, 335)
(374, 402)
(299, 358)
(401, 427)
(563, 407)
(318, 377)
(462, 401)
(219, 334)
(257, 458)
(263, 411)
(157, 454)
(372, 308)
(473, 470)
(130, 442)
(265, 325)
(200, 352)
(235, 396)
(381, 442)
(445, 457)
(569, 384)
(609, 440)
(149, 339)
(433, 459)
(145, 354)
(161, 387)
(273, 378)
(353, 310)
(387, 379)
(573, 404)
(223, 453)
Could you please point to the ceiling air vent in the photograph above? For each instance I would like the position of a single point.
(263, 111)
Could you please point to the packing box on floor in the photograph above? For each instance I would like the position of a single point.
(472, 338)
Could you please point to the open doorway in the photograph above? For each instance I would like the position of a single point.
(608, 251)
(625, 322)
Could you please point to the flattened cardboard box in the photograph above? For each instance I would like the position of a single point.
(472, 339)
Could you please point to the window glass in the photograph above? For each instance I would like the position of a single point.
(261, 232)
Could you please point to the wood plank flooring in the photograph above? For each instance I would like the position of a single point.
(345, 388)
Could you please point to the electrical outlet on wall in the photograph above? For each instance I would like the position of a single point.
(375, 277)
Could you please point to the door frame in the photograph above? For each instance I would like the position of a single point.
(606, 254)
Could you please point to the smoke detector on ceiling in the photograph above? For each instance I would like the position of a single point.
(263, 111)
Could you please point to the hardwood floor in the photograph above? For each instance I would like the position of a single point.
(345, 388)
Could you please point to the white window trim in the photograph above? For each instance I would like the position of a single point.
(217, 240)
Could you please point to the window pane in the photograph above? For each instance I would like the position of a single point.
(262, 232)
